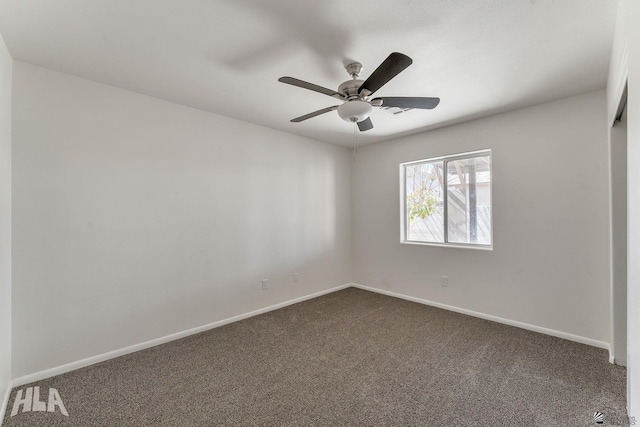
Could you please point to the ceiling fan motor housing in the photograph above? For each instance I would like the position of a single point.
(350, 88)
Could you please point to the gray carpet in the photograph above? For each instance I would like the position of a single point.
(351, 358)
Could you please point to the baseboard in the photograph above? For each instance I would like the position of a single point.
(51, 372)
(5, 401)
(527, 326)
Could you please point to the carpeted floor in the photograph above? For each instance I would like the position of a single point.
(350, 358)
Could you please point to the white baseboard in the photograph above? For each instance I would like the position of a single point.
(5, 401)
(48, 373)
(534, 328)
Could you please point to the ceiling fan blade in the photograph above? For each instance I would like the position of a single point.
(310, 86)
(366, 124)
(315, 113)
(409, 102)
(390, 67)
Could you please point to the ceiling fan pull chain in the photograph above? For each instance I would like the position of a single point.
(355, 140)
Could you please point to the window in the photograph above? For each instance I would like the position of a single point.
(447, 200)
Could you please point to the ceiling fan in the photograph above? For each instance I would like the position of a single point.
(355, 93)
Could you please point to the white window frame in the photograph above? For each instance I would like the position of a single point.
(404, 220)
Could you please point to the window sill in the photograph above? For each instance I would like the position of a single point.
(448, 245)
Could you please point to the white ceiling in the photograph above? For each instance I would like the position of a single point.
(225, 56)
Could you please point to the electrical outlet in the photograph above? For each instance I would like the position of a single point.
(265, 284)
(445, 281)
(296, 277)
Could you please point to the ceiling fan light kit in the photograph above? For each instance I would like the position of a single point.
(354, 93)
(355, 111)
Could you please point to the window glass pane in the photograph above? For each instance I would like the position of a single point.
(425, 201)
(469, 200)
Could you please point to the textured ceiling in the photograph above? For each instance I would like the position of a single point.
(225, 56)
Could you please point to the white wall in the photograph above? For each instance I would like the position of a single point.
(628, 38)
(550, 263)
(135, 218)
(617, 79)
(6, 64)
(625, 64)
